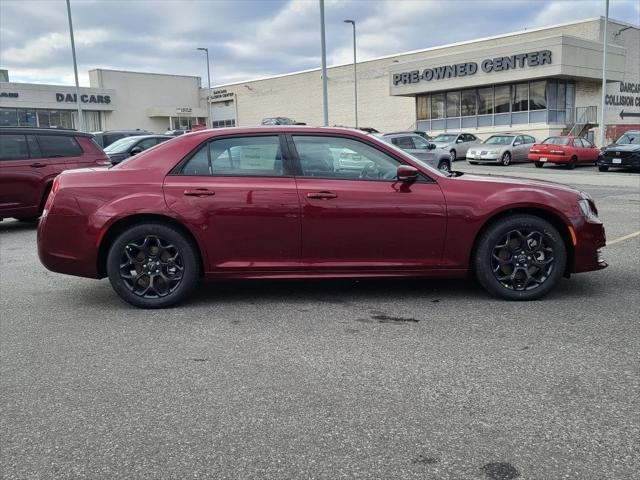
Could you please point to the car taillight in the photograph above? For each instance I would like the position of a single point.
(558, 152)
(52, 193)
(534, 150)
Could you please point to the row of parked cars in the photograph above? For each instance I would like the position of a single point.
(507, 148)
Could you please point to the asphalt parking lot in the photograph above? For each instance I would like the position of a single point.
(332, 379)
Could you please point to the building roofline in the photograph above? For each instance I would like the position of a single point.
(143, 73)
(428, 49)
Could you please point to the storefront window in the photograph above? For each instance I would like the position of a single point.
(551, 94)
(27, 118)
(437, 106)
(468, 103)
(561, 96)
(485, 101)
(520, 102)
(453, 104)
(536, 95)
(423, 107)
(503, 98)
(8, 117)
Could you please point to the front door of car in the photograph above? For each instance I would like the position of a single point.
(362, 218)
(520, 149)
(237, 192)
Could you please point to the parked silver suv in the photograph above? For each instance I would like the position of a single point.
(455, 143)
(420, 148)
(502, 148)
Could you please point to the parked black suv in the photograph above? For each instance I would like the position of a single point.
(107, 137)
(129, 146)
(624, 153)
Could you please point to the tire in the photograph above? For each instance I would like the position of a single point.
(453, 155)
(572, 163)
(603, 168)
(514, 258)
(444, 165)
(539, 164)
(162, 246)
(506, 159)
(472, 163)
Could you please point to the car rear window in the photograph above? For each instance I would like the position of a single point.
(59, 146)
(13, 147)
(557, 141)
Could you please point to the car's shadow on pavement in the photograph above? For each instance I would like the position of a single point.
(9, 226)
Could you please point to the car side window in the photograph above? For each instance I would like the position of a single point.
(519, 140)
(237, 156)
(420, 143)
(148, 143)
(59, 146)
(13, 147)
(404, 143)
(343, 158)
(530, 139)
(34, 148)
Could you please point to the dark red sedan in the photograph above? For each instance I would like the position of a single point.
(302, 202)
(567, 151)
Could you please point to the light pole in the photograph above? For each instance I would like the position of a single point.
(209, 118)
(355, 70)
(325, 96)
(75, 69)
(604, 76)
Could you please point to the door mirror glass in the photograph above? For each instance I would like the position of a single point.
(432, 146)
(407, 173)
(460, 140)
(135, 150)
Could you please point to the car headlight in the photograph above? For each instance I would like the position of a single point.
(588, 207)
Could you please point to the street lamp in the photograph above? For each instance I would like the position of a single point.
(603, 134)
(75, 69)
(209, 119)
(355, 70)
(323, 47)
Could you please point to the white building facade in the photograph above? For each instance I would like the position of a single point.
(541, 82)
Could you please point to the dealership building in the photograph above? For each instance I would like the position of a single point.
(543, 81)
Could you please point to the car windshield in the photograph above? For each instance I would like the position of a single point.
(629, 139)
(557, 141)
(122, 145)
(499, 140)
(445, 138)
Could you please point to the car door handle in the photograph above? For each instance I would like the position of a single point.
(199, 192)
(322, 195)
(38, 165)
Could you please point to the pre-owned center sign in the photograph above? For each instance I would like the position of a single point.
(498, 64)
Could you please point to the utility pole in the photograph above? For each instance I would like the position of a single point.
(325, 96)
(75, 70)
(604, 77)
(355, 71)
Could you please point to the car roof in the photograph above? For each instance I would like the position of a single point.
(46, 131)
(401, 134)
(121, 131)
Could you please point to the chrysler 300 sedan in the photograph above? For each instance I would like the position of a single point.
(281, 202)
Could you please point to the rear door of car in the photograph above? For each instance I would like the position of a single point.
(587, 152)
(240, 194)
(366, 219)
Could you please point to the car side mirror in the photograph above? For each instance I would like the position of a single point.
(515, 144)
(407, 173)
(459, 140)
(431, 146)
(135, 150)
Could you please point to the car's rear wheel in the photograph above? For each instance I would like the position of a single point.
(603, 168)
(506, 159)
(152, 265)
(444, 165)
(520, 257)
(572, 163)
(539, 164)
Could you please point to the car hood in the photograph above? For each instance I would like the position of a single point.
(515, 182)
(623, 148)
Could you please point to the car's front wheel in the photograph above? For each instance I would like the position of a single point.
(152, 265)
(444, 165)
(520, 257)
(506, 159)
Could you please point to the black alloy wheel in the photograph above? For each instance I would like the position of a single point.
(521, 257)
(152, 265)
(506, 159)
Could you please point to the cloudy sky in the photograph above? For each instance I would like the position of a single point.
(253, 38)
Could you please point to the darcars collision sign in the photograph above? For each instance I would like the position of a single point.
(499, 64)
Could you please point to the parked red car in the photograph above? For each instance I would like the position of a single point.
(30, 158)
(568, 151)
(278, 202)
